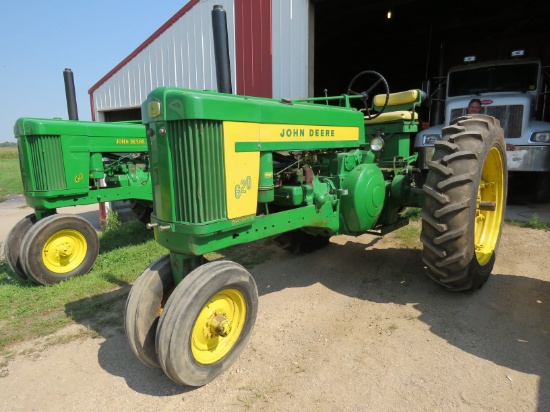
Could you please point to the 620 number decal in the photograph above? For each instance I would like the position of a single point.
(243, 186)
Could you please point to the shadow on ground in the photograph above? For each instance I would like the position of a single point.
(510, 313)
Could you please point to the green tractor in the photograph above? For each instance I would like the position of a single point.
(230, 169)
(68, 163)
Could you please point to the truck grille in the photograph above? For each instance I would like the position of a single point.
(46, 163)
(510, 117)
(198, 170)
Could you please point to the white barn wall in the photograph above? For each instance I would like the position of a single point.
(292, 43)
(182, 56)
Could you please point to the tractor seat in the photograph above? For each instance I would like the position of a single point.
(401, 106)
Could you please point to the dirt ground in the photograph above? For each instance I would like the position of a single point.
(356, 326)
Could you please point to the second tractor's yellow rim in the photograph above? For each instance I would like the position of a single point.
(489, 206)
(64, 251)
(218, 326)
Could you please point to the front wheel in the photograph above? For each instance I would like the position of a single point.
(143, 308)
(206, 322)
(12, 247)
(465, 199)
(59, 247)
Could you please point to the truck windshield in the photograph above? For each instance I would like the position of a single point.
(498, 78)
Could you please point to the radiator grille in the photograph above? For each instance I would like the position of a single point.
(198, 170)
(510, 117)
(46, 162)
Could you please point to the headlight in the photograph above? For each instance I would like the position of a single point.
(376, 144)
(430, 139)
(541, 137)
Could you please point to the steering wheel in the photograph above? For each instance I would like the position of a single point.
(377, 86)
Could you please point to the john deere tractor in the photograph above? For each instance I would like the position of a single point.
(230, 169)
(68, 163)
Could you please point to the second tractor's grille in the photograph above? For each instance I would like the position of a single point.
(46, 162)
(510, 117)
(198, 167)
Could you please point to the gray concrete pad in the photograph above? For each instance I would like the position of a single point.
(525, 212)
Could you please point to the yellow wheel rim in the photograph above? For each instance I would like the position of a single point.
(64, 251)
(218, 326)
(489, 207)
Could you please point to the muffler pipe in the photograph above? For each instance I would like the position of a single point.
(70, 94)
(221, 49)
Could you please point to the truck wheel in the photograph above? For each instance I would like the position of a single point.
(59, 247)
(465, 199)
(142, 211)
(143, 308)
(12, 247)
(206, 322)
(298, 241)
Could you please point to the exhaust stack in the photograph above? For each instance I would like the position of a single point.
(221, 49)
(70, 94)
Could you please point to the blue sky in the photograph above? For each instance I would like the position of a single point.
(40, 38)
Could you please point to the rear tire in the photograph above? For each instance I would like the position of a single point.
(465, 200)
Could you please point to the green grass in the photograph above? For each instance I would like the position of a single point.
(409, 235)
(10, 177)
(533, 223)
(30, 311)
(412, 213)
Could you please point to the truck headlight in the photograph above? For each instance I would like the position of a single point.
(541, 137)
(430, 139)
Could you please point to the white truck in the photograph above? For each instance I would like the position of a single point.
(514, 92)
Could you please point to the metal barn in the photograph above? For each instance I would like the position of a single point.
(269, 47)
(299, 48)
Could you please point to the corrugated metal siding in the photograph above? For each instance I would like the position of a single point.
(292, 48)
(253, 39)
(183, 56)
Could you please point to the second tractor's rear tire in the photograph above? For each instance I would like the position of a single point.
(465, 199)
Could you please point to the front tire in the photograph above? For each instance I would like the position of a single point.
(12, 247)
(143, 308)
(465, 200)
(206, 322)
(59, 247)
